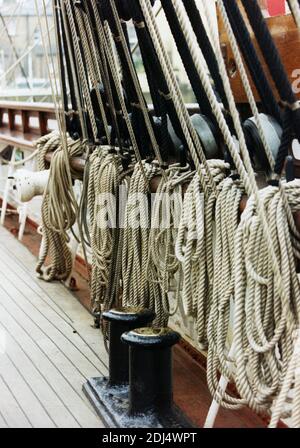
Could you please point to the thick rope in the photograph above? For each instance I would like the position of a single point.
(194, 249)
(58, 210)
(104, 180)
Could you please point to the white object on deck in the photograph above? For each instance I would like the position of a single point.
(8, 191)
(29, 184)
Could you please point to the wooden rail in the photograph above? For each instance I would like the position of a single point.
(21, 124)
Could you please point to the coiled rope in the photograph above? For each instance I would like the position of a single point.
(59, 210)
(194, 249)
(137, 289)
(162, 264)
(247, 179)
(104, 180)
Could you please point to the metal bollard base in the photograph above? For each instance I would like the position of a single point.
(112, 406)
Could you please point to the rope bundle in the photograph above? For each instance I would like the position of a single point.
(265, 319)
(137, 289)
(194, 248)
(104, 181)
(162, 264)
(218, 332)
(59, 208)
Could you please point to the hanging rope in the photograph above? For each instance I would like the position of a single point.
(162, 264)
(58, 212)
(218, 331)
(245, 81)
(104, 180)
(137, 290)
(189, 132)
(264, 322)
(252, 60)
(194, 248)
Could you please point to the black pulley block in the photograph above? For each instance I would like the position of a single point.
(273, 134)
(208, 136)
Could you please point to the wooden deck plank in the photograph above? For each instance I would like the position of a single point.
(24, 271)
(43, 334)
(62, 336)
(22, 263)
(46, 359)
(72, 398)
(10, 409)
(76, 316)
(30, 403)
(30, 373)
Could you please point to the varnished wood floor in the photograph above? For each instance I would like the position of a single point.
(47, 348)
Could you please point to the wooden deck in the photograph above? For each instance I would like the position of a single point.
(47, 348)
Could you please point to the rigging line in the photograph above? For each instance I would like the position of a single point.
(110, 55)
(267, 343)
(85, 87)
(48, 65)
(74, 71)
(187, 60)
(245, 81)
(189, 131)
(81, 70)
(136, 46)
(36, 26)
(62, 124)
(273, 61)
(160, 93)
(141, 99)
(90, 50)
(244, 166)
(72, 205)
(64, 220)
(16, 63)
(107, 78)
(295, 9)
(11, 17)
(15, 51)
(205, 44)
(252, 60)
(277, 165)
(134, 104)
(57, 23)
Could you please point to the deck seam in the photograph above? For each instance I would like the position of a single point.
(51, 323)
(40, 373)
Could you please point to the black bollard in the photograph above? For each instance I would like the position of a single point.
(150, 370)
(122, 320)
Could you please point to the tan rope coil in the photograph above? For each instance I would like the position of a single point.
(162, 264)
(58, 209)
(137, 289)
(104, 182)
(194, 248)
